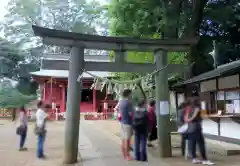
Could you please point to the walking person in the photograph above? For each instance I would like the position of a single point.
(141, 129)
(195, 133)
(126, 111)
(22, 128)
(152, 132)
(40, 128)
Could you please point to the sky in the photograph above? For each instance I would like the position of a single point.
(3, 10)
(5, 2)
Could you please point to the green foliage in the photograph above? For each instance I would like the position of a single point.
(135, 18)
(10, 97)
(139, 19)
(22, 52)
(71, 15)
(27, 87)
(10, 56)
(177, 19)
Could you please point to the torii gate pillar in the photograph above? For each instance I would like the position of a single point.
(162, 105)
(76, 63)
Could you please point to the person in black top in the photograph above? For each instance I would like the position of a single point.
(140, 127)
(195, 134)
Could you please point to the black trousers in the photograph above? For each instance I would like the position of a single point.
(183, 144)
(196, 138)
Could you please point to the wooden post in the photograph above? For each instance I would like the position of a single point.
(44, 91)
(51, 90)
(94, 100)
(76, 65)
(162, 105)
(63, 103)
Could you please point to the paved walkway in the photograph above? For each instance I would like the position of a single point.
(113, 128)
(107, 149)
(98, 146)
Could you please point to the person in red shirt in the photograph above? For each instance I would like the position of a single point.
(152, 122)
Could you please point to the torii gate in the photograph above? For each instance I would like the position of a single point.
(79, 42)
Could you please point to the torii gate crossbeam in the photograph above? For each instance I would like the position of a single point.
(79, 42)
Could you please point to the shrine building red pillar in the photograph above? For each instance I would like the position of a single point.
(63, 101)
(94, 100)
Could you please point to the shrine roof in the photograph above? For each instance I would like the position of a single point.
(64, 73)
(221, 71)
(64, 38)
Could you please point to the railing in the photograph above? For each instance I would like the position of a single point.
(98, 116)
(4, 113)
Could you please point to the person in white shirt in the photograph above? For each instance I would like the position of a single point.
(41, 117)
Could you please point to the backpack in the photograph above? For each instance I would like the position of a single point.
(140, 121)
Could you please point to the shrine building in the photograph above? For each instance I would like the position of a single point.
(54, 84)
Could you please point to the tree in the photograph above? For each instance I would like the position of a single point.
(71, 15)
(15, 64)
(10, 97)
(177, 19)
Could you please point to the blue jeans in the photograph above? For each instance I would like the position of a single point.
(194, 139)
(23, 138)
(140, 150)
(40, 145)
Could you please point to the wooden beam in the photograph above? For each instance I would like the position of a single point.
(111, 66)
(117, 67)
(142, 47)
(64, 38)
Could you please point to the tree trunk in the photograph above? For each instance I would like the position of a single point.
(192, 30)
(172, 15)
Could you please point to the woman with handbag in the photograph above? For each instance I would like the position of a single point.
(40, 128)
(22, 128)
(195, 134)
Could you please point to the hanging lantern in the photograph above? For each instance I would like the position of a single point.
(97, 85)
(109, 88)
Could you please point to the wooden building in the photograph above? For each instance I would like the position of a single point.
(54, 83)
(219, 91)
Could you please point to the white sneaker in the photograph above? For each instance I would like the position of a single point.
(207, 162)
(196, 161)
